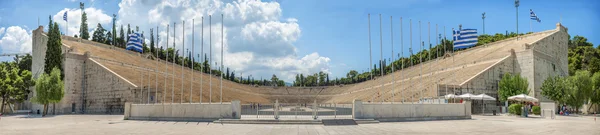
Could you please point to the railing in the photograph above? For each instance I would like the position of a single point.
(296, 111)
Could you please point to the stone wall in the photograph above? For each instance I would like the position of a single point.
(183, 112)
(487, 82)
(39, 41)
(73, 84)
(89, 86)
(105, 92)
(550, 59)
(410, 112)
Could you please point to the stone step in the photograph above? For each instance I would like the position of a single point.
(366, 121)
(240, 121)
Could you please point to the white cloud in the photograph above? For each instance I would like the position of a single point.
(1, 31)
(15, 40)
(94, 16)
(257, 40)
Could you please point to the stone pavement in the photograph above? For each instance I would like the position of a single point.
(113, 124)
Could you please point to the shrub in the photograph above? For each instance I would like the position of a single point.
(515, 109)
(536, 110)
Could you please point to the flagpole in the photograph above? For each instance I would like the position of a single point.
(173, 65)
(210, 58)
(437, 55)
(141, 85)
(420, 63)
(392, 40)
(452, 55)
(166, 65)
(192, 80)
(201, 63)
(221, 100)
(182, 59)
(67, 29)
(402, 53)
(429, 54)
(443, 44)
(156, 71)
(410, 56)
(370, 54)
(149, 81)
(380, 60)
(530, 26)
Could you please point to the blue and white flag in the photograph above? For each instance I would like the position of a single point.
(464, 38)
(533, 16)
(135, 42)
(65, 16)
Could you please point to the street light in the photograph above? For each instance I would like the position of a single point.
(517, 7)
(483, 18)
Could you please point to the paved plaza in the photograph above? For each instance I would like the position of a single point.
(113, 124)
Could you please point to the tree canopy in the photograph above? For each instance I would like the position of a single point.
(53, 57)
(83, 29)
(511, 85)
(99, 34)
(49, 89)
(14, 83)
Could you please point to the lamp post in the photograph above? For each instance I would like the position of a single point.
(517, 7)
(483, 18)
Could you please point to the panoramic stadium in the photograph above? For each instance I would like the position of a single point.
(227, 64)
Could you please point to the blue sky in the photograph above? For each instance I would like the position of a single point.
(338, 29)
(343, 27)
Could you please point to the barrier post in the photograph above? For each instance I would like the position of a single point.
(334, 110)
(315, 107)
(276, 109)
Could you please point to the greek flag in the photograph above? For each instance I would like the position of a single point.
(65, 16)
(464, 38)
(135, 42)
(533, 16)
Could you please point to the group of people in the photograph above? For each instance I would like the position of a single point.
(563, 110)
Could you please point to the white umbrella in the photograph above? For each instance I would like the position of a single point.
(449, 96)
(483, 97)
(467, 96)
(523, 98)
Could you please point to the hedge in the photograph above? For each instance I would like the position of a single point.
(536, 110)
(515, 109)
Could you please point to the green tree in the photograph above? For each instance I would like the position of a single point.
(584, 83)
(578, 41)
(595, 96)
(24, 62)
(53, 57)
(99, 34)
(49, 89)
(227, 74)
(14, 84)
(352, 75)
(274, 80)
(232, 76)
(129, 32)
(83, 29)
(50, 24)
(152, 50)
(321, 76)
(122, 38)
(114, 31)
(511, 85)
(109, 38)
(573, 95)
(553, 88)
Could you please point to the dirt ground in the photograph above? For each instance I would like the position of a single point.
(114, 124)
